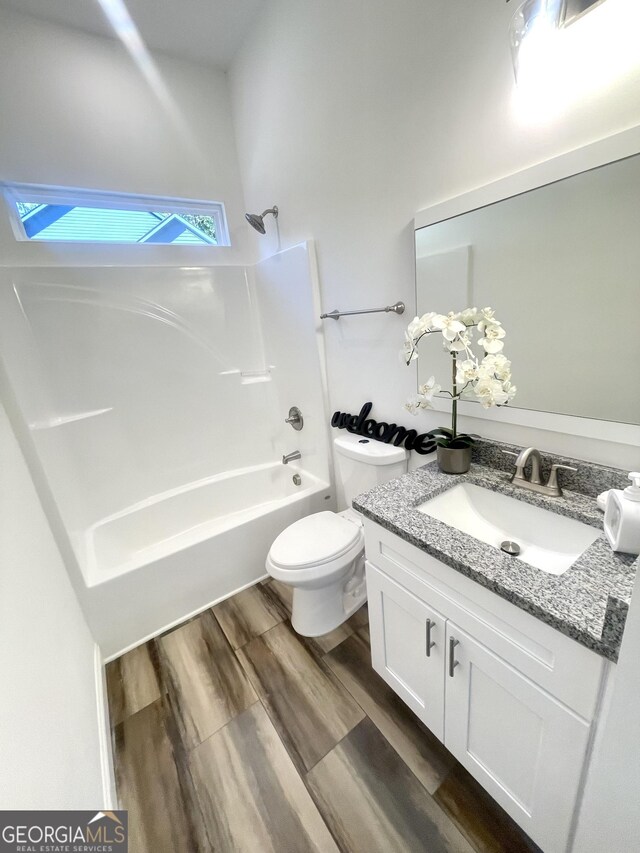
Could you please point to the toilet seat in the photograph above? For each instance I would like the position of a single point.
(321, 557)
(316, 540)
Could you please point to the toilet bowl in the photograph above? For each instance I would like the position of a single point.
(322, 556)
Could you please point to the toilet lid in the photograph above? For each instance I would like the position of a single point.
(313, 540)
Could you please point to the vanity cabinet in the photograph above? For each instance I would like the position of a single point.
(408, 647)
(513, 699)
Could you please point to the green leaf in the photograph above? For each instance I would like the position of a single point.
(468, 438)
(461, 441)
(443, 442)
(440, 431)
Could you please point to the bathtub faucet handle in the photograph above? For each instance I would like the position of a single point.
(291, 457)
(295, 418)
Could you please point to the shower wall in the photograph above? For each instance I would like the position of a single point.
(288, 305)
(134, 382)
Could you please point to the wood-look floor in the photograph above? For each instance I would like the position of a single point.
(232, 734)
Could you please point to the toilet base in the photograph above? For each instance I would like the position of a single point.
(318, 611)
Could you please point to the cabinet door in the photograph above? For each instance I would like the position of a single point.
(522, 745)
(407, 647)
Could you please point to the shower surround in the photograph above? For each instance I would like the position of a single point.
(150, 403)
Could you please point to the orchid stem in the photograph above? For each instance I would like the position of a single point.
(454, 398)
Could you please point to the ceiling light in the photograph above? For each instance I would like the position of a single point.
(539, 19)
(565, 51)
(533, 21)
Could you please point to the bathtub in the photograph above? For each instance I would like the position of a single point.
(166, 558)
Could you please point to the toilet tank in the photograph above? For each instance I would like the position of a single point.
(362, 463)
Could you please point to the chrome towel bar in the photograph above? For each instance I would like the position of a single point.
(398, 308)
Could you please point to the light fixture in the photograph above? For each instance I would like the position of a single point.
(533, 21)
(538, 20)
(568, 52)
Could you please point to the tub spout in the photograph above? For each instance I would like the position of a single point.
(291, 457)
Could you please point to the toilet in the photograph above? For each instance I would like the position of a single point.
(322, 556)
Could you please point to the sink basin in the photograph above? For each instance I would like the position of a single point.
(547, 541)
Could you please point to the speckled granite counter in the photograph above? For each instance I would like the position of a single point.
(589, 602)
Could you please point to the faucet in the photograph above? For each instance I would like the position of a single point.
(291, 457)
(534, 483)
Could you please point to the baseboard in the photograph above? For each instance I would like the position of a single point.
(104, 734)
(182, 619)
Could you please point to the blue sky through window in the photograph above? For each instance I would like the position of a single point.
(74, 223)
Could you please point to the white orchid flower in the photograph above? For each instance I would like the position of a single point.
(487, 367)
(495, 365)
(483, 326)
(469, 316)
(462, 342)
(486, 316)
(510, 390)
(467, 371)
(448, 325)
(419, 325)
(502, 367)
(409, 349)
(424, 396)
(429, 388)
(489, 378)
(414, 329)
(427, 320)
(490, 393)
(491, 342)
(423, 402)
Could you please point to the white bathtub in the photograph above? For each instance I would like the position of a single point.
(167, 557)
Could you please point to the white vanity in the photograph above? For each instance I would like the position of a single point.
(514, 696)
(510, 697)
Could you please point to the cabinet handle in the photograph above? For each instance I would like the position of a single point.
(453, 663)
(430, 643)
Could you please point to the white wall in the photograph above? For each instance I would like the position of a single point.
(354, 116)
(49, 739)
(77, 112)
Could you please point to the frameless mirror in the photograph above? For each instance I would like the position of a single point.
(560, 265)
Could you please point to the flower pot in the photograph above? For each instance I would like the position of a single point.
(454, 460)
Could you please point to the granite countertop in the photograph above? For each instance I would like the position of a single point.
(588, 603)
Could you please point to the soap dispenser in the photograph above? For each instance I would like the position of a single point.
(622, 517)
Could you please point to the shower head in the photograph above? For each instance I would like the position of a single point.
(256, 220)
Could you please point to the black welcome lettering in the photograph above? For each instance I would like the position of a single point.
(387, 433)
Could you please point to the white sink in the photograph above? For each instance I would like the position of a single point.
(547, 541)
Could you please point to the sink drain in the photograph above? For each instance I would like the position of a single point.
(510, 548)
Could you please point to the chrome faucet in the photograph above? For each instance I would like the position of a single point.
(291, 457)
(534, 483)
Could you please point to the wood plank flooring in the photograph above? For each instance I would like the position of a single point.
(204, 682)
(309, 707)
(232, 734)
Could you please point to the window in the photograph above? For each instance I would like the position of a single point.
(51, 214)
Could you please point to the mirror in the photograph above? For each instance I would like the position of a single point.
(560, 265)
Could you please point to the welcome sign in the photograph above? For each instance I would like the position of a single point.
(361, 424)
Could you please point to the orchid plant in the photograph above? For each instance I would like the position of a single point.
(489, 376)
